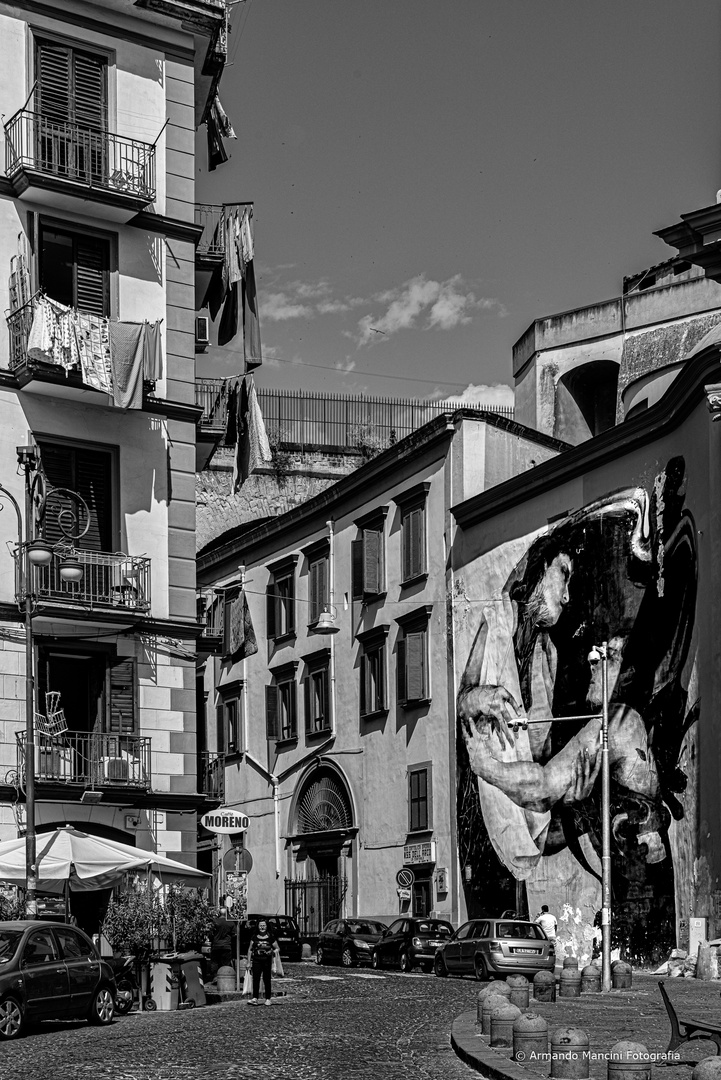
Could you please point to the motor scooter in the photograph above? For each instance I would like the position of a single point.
(125, 969)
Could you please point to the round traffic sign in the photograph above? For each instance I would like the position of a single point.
(224, 820)
(238, 859)
(405, 878)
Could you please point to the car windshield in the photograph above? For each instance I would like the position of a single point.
(285, 923)
(9, 940)
(519, 930)
(432, 926)
(366, 928)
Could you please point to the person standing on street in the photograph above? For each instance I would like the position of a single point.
(221, 947)
(263, 946)
(547, 923)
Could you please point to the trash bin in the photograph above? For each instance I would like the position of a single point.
(165, 983)
(192, 989)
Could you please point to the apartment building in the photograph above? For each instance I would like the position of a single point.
(98, 405)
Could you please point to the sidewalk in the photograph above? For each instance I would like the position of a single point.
(637, 1014)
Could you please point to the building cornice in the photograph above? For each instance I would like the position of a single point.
(171, 228)
(684, 394)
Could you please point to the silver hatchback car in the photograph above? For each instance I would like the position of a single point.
(491, 947)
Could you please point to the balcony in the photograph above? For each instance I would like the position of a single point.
(211, 395)
(68, 159)
(211, 616)
(110, 581)
(210, 251)
(85, 759)
(211, 775)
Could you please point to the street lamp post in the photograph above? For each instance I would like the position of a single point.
(31, 552)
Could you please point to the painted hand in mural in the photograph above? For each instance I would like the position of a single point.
(494, 704)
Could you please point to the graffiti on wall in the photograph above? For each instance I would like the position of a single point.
(621, 570)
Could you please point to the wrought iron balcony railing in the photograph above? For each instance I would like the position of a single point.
(212, 216)
(110, 580)
(211, 616)
(211, 775)
(89, 759)
(37, 145)
(212, 397)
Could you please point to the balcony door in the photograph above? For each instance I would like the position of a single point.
(71, 106)
(74, 269)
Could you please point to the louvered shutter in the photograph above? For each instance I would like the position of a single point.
(93, 481)
(416, 665)
(371, 561)
(272, 733)
(318, 588)
(381, 678)
(122, 718)
(91, 275)
(413, 542)
(292, 709)
(89, 91)
(356, 555)
(364, 684)
(325, 700)
(307, 705)
(270, 609)
(401, 669)
(53, 69)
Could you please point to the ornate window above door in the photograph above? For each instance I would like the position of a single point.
(324, 807)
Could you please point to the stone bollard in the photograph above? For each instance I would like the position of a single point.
(629, 1061)
(225, 980)
(570, 961)
(503, 1017)
(708, 1069)
(486, 992)
(570, 983)
(306, 951)
(591, 980)
(520, 991)
(621, 975)
(544, 986)
(530, 1038)
(489, 1004)
(570, 1057)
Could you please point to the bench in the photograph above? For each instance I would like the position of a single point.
(683, 1028)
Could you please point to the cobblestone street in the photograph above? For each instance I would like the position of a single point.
(331, 1023)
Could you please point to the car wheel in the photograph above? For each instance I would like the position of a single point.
(439, 966)
(481, 969)
(406, 962)
(102, 1009)
(348, 958)
(11, 1018)
(319, 955)
(375, 961)
(124, 997)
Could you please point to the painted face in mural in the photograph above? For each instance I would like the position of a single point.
(550, 596)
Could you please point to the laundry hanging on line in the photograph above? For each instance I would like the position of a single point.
(242, 641)
(252, 448)
(238, 266)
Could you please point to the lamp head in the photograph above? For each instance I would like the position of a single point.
(40, 553)
(594, 656)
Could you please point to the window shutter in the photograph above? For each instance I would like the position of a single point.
(91, 275)
(382, 702)
(89, 473)
(307, 705)
(325, 699)
(364, 688)
(356, 553)
(416, 665)
(322, 585)
(415, 542)
(270, 608)
(371, 561)
(53, 71)
(401, 669)
(314, 594)
(122, 719)
(272, 733)
(406, 545)
(292, 709)
(90, 107)
(290, 606)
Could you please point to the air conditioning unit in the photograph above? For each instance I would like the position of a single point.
(116, 769)
(53, 762)
(202, 332)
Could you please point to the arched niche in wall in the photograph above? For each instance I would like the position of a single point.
(585, 402)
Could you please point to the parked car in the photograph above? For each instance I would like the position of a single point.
(489, 947)
(408, 943)
(348, 941)
(283, 927)
(49, 971)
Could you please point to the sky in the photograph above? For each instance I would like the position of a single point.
(430, 177)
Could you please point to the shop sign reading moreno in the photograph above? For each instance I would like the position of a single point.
(224, 820)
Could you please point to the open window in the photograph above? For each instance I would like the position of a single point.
(412, 506)
(368, 556)
(281, 714)
(373, 697)
(420, 797)
(316, 693)
(280, 599)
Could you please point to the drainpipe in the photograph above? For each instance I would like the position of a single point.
(276, 817)
(244, 677)
(331, 597)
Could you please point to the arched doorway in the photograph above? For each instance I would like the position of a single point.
(323, 828)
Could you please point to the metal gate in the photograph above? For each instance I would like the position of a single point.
(314, 903)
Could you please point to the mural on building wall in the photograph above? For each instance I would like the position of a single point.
(623, 569)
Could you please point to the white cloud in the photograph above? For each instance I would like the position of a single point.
(425, 304)
(498, 394)
(278, 306)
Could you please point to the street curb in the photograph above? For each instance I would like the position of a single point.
(467, 1041)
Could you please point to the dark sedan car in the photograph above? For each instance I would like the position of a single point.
(284, 929)
(50, 971)
(408, 943)
(489, 947)
(348, 941)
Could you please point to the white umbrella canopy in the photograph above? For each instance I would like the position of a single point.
(88, 862)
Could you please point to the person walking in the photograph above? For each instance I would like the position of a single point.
(263, 947)
(548, 923)
(221, 946)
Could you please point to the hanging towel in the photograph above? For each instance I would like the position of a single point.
(216, 151)
(40, 339)
(93, 341)
(231, 428)
(252, 449)
(251, 321)
(153, 355)
(221, 118)
(246, 236)
(232, 246)
(229, 320)
(127, 346)
(242, 635)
